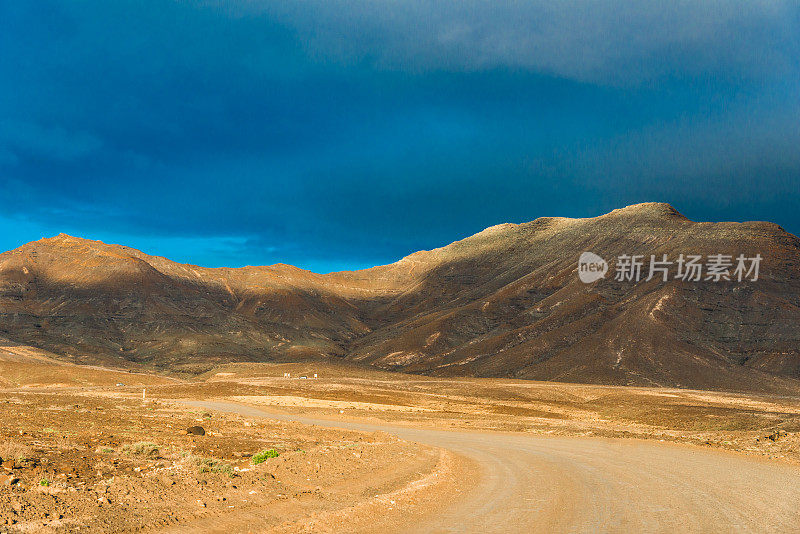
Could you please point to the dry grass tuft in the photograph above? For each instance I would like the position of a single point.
(142, 448)
(11, 450)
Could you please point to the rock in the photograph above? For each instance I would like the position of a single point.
(775, 436)
(196, 431)
(11, 480)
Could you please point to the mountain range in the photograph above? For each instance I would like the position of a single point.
(506, 302)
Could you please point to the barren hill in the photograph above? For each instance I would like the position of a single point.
(505, 302)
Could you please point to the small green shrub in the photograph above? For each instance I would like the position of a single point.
(44, 482)
(262, 456)
(210, 465)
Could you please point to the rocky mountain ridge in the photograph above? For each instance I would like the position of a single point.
(505, 302)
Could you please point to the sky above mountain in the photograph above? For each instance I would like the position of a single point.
(342, 134)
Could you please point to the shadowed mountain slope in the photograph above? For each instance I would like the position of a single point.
(505, 302)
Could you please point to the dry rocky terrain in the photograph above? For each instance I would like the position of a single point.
(506, 302)
(83, 452)
(100, 461)
(763, 425)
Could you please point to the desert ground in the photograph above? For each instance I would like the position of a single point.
(359, 450)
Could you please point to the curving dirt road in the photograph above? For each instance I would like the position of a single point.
(529, 483)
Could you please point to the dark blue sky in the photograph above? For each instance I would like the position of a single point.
(338, 135)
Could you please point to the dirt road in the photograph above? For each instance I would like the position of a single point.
(528, 483)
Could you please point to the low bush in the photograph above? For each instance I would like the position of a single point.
(262, 456)
(210, 465)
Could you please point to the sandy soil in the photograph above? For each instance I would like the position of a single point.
(528, 483)
(96, 462)
(367, 451)
(762, 425)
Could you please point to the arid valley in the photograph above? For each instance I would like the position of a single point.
(479, 387)
(358, 450)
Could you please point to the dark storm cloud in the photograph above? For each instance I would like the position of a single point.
(341, 134)
(600, 42)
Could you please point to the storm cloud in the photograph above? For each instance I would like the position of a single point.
(344, 134)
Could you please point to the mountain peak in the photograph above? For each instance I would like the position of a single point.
(648, 209)
(66, 239)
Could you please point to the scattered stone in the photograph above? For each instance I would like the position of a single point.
(775, 436)
(196, 431)
(11, 480)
